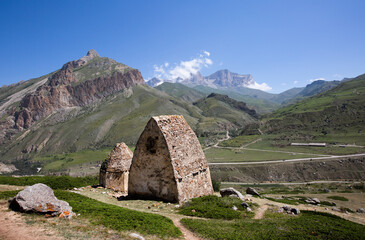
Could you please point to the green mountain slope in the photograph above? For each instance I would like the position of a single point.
(311, 90)
(260, 105)
(339, 111)
(119, 117)
(226, 109)
(181, 91)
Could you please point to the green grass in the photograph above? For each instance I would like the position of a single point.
(289, 200)
(248, 155)
(308, 225)
(61, 182)
(8, 194)
(215, 207)
(277, 143)
(339, 198)
(239, 141)
(64, 161)
(114, 217)
(119, 218)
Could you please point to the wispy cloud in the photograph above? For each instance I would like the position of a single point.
(184, 69)
(295, 82)
(262, 86)
(316, 79)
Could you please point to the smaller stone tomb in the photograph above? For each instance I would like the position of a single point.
(169, 162)
(114, 172)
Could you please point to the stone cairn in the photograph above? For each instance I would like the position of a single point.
(114, 170)
(168, 162)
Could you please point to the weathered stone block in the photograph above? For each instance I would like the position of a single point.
(114, 171)
(169, 163)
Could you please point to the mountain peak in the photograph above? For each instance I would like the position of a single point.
(92, 53)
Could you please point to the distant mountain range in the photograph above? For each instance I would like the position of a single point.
(222, 78)
(233, 85)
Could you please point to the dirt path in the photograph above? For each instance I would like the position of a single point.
(260, 212)
(188, 235)
(218, 142)
(13, 226)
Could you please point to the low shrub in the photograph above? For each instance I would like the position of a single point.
(215, 207)
(54, 182)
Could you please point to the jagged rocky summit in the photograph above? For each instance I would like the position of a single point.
(78, 83)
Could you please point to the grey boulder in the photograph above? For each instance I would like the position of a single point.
(252, 191)
(230, 192)
(40, 198)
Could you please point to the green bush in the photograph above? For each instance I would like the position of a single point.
(54, 182)
(215, 207)
(8, 194)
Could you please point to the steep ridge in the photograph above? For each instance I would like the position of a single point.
(222, 107)
(65, 89)
(337, 111)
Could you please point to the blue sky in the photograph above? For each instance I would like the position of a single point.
(284, 44)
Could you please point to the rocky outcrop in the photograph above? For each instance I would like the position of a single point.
(169, 163)
(114, 171)
(64, 90)
(231, 192)
(40, 198)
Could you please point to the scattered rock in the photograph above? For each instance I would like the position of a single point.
(336, 209)
(296, 211)
(252, 191)
(326, 190)
(286, 208)
(136, 236)
(40, 198)
(313, 201)
(249, 209)
(360, 210)
(234, 208)
(193, 210)
(231, 191)
(244, 205)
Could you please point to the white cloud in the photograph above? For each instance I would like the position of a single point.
(313, 80)
(184, 69)
(262, 86)
(159, 71)
(295, 82)
(206, 53)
